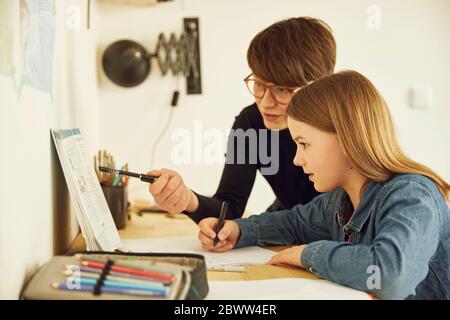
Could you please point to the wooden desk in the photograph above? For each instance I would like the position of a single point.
(151, 225)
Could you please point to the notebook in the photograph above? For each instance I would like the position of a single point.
(88, 200)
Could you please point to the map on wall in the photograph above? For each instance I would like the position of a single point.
(37, 40)
(27, 39)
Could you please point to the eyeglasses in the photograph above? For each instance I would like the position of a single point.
(282, 95)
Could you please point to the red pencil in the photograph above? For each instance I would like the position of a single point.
(148, 274)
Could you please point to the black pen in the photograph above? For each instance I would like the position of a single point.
(221, 222)
(143, 177)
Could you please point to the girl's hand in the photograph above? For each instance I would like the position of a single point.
(228, 236)
(289, 256)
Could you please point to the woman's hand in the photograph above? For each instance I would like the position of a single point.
(170, 192)
(228, 236)
(289, 256)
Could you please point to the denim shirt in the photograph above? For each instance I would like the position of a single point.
(400, 238)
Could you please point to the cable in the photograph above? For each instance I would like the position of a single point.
(161, 135)
(174, 103)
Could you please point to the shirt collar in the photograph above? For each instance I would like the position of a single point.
(362, 212)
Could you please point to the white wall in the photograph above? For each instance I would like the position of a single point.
(28, 193)
(410, 49)
(26, 215)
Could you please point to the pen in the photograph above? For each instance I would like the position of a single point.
(143, 177)
(220, 223)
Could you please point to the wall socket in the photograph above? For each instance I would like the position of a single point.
(194, 78)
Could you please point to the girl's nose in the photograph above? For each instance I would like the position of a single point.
(298, 161)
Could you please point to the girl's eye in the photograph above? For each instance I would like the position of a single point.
(303, 145)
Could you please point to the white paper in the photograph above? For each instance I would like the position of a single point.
(90, 205)
(282, 289)
(242, 256)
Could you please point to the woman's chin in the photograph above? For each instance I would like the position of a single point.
(275, 125)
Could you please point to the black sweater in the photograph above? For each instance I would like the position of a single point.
(290, 185)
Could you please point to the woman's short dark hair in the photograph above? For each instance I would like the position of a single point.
(293, 52)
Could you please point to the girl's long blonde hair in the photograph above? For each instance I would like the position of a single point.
(348, 103)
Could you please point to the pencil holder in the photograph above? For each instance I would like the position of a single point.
(117, 199)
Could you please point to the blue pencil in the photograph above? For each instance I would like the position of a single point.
(89, 288)
(117, 284)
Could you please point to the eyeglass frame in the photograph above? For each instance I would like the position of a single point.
(292, 90)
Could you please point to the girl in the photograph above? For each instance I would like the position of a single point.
(283, 57)
(384, 224)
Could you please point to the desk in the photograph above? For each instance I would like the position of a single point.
(151, 225)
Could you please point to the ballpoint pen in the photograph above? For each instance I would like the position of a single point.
(143, 177)
(221, 222)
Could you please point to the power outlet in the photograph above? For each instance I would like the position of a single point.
(194, 76)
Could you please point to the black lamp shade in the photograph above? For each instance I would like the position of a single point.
(126, 63)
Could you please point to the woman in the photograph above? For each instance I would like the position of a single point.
(283, 57)
(384, 224)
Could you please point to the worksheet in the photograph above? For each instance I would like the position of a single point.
(242, 256)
